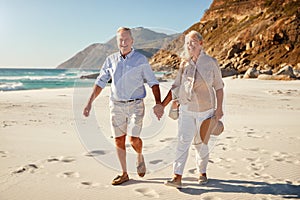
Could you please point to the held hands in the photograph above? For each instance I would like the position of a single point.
(158, 110)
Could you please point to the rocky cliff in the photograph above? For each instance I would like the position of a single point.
(244, 34)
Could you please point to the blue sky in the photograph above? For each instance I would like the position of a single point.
(43, 33)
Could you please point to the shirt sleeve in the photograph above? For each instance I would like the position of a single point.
(104, 75)
(176, 85)
(217, 82)
(149, 74)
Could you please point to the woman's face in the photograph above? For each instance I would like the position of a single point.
(193, 45)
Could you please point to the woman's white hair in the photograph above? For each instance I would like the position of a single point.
(185, 54)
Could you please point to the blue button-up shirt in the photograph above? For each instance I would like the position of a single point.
(127, 74)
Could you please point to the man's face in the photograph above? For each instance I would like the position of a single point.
(125, 42)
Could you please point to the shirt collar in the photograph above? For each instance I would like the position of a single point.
(202, 53)
(128, 55)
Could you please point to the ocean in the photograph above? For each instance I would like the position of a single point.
(12, 79)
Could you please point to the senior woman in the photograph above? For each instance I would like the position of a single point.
(198, 89)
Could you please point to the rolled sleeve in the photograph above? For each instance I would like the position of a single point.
(101, 81)
(104, 75)
(149, 75)
(218, 82)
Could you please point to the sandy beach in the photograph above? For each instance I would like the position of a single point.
(48, 150)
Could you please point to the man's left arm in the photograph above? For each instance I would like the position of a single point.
(154, 84)
(156, 94)
(158, 109)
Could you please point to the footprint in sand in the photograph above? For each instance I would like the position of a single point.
(256, 166)
(283, 157)
(65, 159)
(289, 92)
(249, 159)
(97, 153)
(233, 173)
(217, 160)
(296, 162)
(225, 163)
(220, 144)
(8, 123)
(148, 192)
(252, 149)
(192, 171)
(29, 168)
(88, 184)
(3, 154)
(68, 175)
(167, 139)
(155, 161)
(266, 176)
(53, 159)
(254, 135)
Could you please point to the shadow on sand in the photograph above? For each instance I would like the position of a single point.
(285, 190)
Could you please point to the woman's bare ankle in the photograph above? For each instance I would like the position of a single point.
(177, 177)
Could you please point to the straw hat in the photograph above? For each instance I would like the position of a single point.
(212, 126)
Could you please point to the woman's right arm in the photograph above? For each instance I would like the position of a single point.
(167, 99)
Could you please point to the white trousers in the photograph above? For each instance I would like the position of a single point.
(188, 127)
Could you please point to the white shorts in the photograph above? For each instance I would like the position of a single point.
(127, 117)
